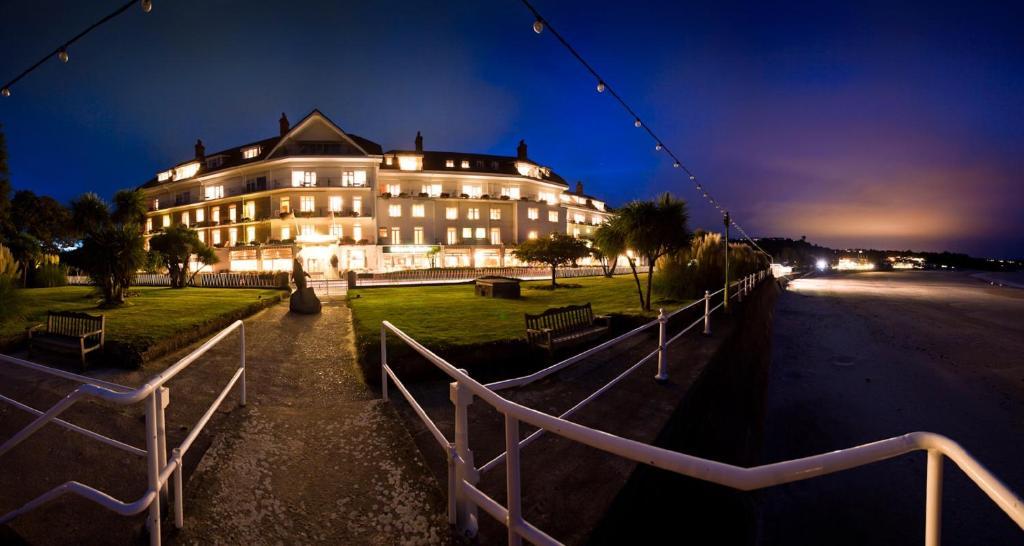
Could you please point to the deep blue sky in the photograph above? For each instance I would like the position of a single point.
(856, 124)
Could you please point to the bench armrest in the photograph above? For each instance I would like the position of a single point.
(538, 330)
(31, 329)
(606, 319)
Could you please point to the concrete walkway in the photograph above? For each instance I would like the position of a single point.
(314, 457)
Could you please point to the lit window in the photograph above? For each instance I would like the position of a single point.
(357, 205)
(286, 205)
(451, 213)
(495, 214)
(417, 235)
(408, 163)
(531, 235)
(347, 178)
(472, 190)
(360, 179)
(495, 236)
(156, 204)
(467, 233)
(453, 237)
(186, 171)
(216, 236)
(382, 233)
(334, 202)
(394, 211)
(396, 236)
(149, 224)
(481, 233)
(576, 232)
(231, 213)
(473, 214)
(465, 163)
(510, 192)
(533, 213)
(578, 218)
(432, 190)
(394, 189)
(250, 153)
(250, 211)
(167, 220)
(546, 196)
(184, 218)
(336, 230)
(215, 214)
(449, 163)
(286, 233)
(357, 232)
(595, 220)
(250, 233)
(200, 215)
(164, 176)
(552, 216)
(233, 236)
(307, 203)
(308, 230)
(303, 178)
(417, 211)
(389, 160)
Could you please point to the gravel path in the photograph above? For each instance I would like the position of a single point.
(866, 356)
(314, 458)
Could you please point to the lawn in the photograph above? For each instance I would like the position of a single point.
(157, 313)
(452, 315)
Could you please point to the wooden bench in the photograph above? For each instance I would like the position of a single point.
(568, 325)
(68, 332)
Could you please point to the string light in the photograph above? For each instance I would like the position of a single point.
(62, 52)
(538, 26)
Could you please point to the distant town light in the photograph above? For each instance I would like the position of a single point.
(822, 265)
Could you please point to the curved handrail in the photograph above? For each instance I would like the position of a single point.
(737, 477)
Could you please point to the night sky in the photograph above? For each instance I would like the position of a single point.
(853, 123)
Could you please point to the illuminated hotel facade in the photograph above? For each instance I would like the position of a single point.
(337, 202)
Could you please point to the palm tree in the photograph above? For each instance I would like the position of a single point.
(652, 229)
(112, 244)
(609, 243)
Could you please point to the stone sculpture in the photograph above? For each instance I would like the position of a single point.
(303, 299)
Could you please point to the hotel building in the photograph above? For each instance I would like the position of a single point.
(337, 202)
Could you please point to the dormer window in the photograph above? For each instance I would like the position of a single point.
(164, 176)
(389, 160)
(450, 163)
(465, 163)
(186, 171)
(251, 152)
(214, 162)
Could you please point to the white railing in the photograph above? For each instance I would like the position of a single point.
(465, 498)
(156, 397)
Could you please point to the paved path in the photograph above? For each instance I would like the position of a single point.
(867, 356)
(314, 457)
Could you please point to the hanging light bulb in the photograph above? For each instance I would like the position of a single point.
(538, 26)
(62, 54)
(147, 6)
(657, 147)
(637, 123)
(600, 87)
(676, 164)
(692, 177)
(6, 91)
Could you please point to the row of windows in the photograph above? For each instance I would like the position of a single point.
(394, 235)
(307, 203)
(473, 191)
(356, 178)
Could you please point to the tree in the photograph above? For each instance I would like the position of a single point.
(44, 218)
(652, 229)
(559, 249)
(111, 250)
(176, 246)
(608, 244)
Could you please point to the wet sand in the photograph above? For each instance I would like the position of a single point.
(866, 356)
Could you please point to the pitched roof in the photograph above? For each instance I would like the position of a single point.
(478, 163)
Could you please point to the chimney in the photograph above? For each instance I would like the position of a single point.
(521, 150)
(200, 150)
(579, 187)
(283, 124)
(419, 142)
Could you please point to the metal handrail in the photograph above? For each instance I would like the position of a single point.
(160, 470)
(465, 497)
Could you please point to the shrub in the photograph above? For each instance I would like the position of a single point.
(48, 275)
(688, 273)
(9, 274)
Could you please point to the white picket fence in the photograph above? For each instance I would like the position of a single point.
(203, 280)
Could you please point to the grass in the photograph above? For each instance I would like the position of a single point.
(451, 315)
(155, 314)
